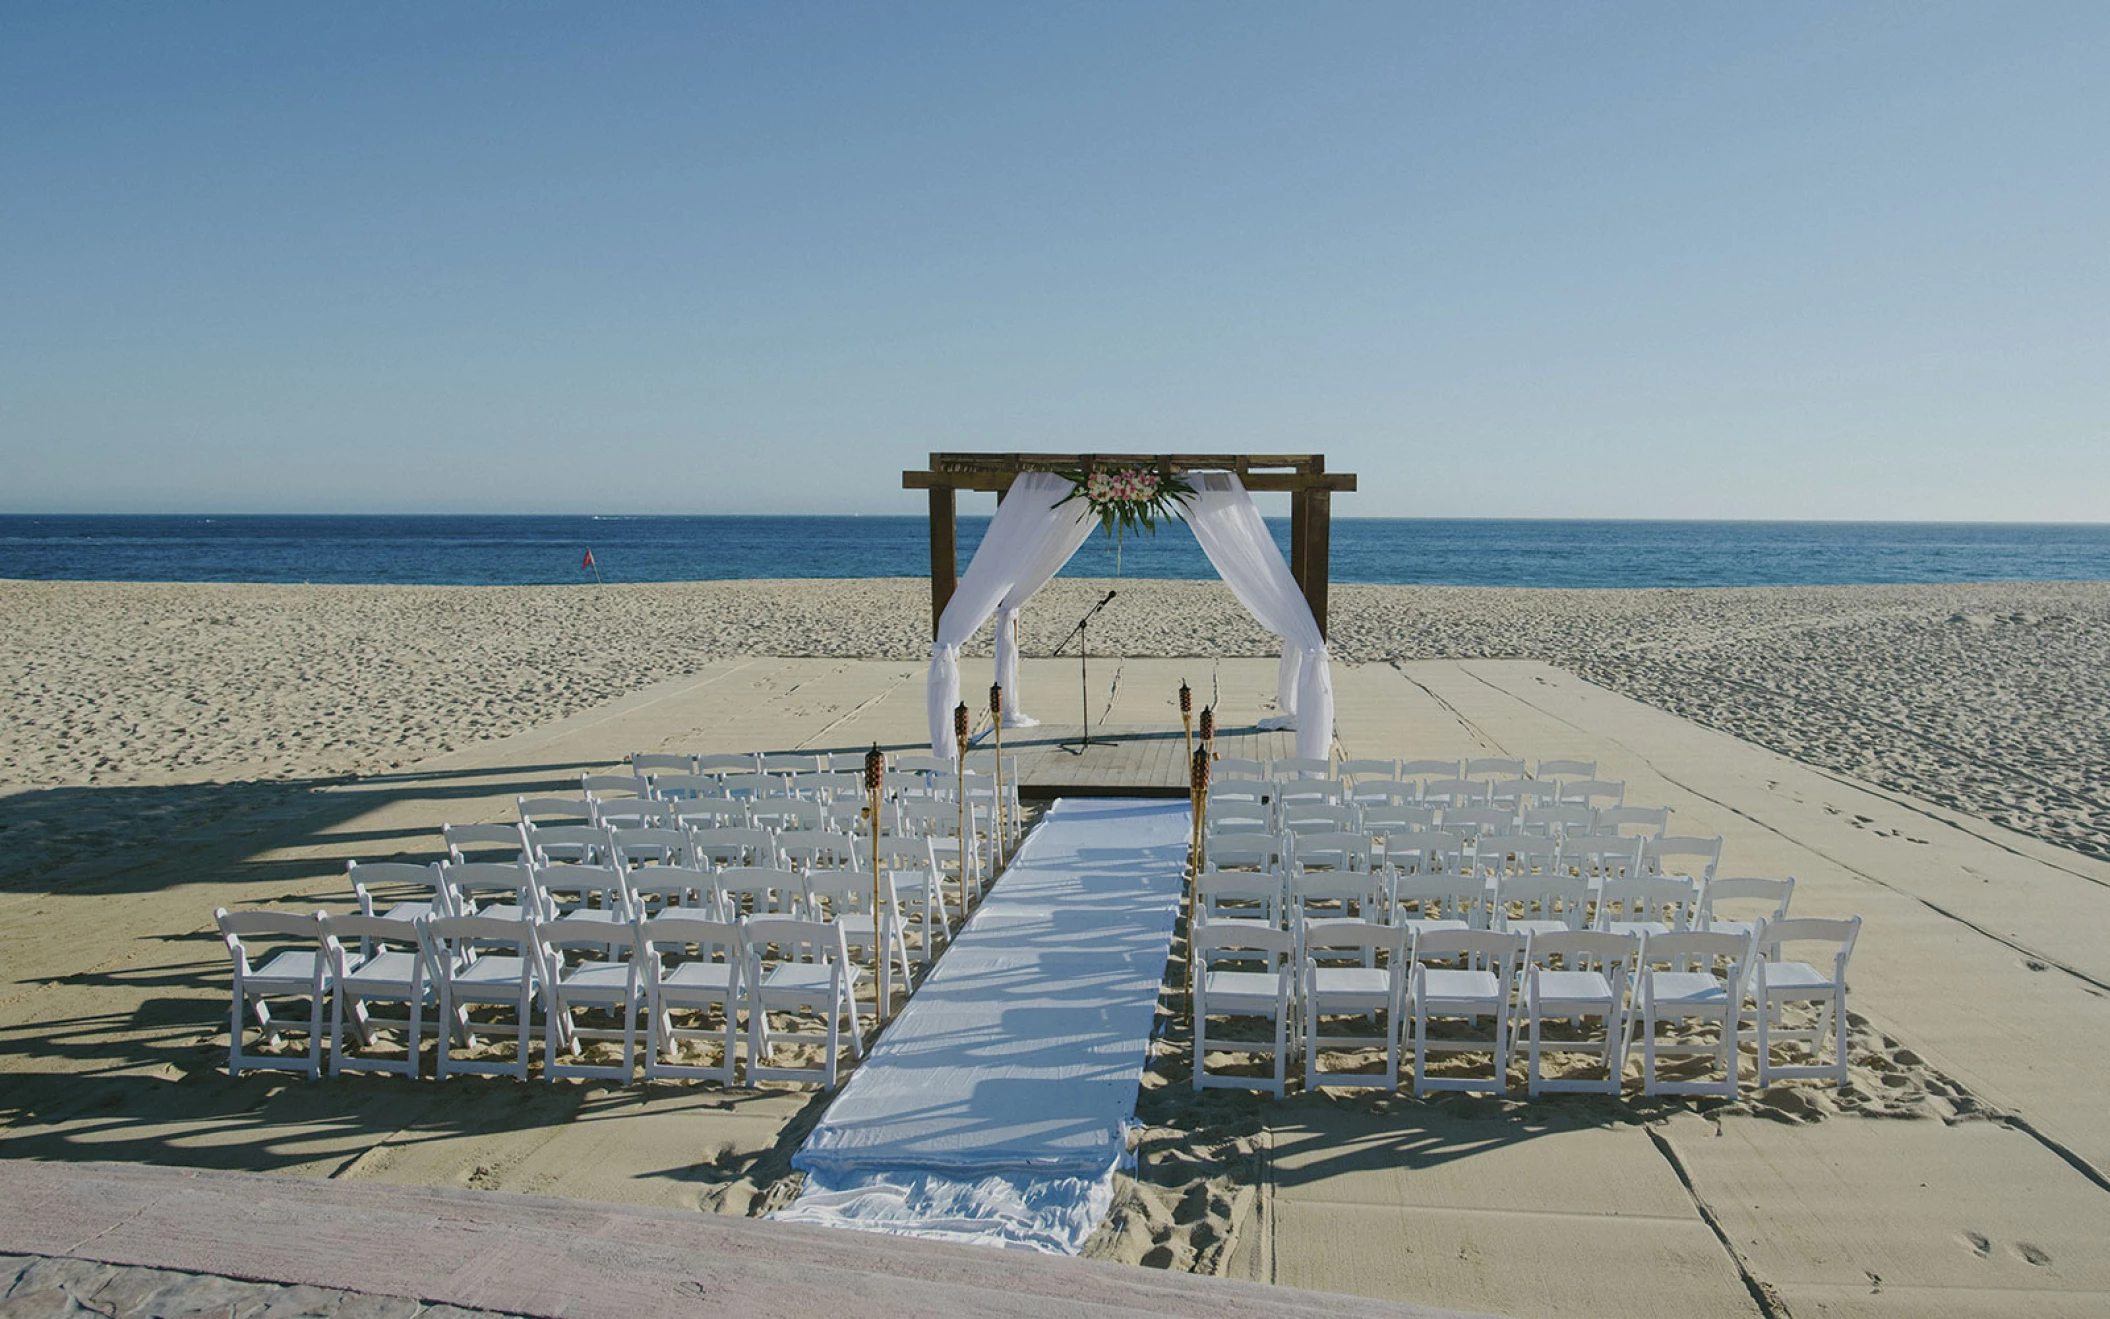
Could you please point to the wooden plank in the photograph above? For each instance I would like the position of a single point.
(944, 551)
(999, 482)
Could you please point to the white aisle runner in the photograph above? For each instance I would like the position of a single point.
(996, 1108)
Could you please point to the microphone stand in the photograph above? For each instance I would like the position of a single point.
(1084, 683)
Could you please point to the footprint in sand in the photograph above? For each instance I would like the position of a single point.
(2031, 1253)
(1981, 1245)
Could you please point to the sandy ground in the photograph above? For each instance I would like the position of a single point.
(169, 748)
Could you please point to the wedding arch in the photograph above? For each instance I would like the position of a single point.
(1035, 532)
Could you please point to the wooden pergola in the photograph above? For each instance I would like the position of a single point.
(1303, 475)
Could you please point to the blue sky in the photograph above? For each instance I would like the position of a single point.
(1824, 260)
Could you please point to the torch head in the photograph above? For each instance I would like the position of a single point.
(996, 700)
(1186, 698)
(959, 723)
(875, 768)
(1208, 722)
(1198, 774)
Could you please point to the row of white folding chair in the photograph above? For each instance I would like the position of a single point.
(749, 762)
(1519, 981)
(769, 963)
(1239, 805)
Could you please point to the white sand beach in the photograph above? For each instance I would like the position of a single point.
(1927, 757)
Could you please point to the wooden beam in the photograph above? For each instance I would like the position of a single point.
(944, 552)
(1299, 527)
(999, 481)
(1318, 550)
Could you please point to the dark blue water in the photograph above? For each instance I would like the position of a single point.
(528, 550)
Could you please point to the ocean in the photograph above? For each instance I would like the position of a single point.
(505, 550)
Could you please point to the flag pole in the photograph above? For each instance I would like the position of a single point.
(591, 564)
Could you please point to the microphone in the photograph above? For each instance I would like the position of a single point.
(1109, 596)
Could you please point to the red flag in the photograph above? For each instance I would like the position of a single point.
(589, 560)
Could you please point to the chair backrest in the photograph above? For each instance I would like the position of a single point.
(757, 891)
(1584, 950)
(1367, 768)
(837, 894)
(1242, 937)
(1331, 792)
(816, 849)
(472, 884)
(1336, 850)
(1495, 950)
(1310, 817)
(373, 934)
(742, 846)
(1245, 851)
(709, 813)
(1238, 767)
(922, 764)
(676, 787)
(1237, 817)
(655, 889)
(467, 842)
(1385, 820)
(1299, 767)
(553, 937)
(1723, 954)
(448, 938)
(1239, 895)
(1557, 819)
(1474, 820)
(782, 813)
(1514, 792)
(1384, 792)
(651, 846)
(752, 785)
(563, 890)
(1340, 940)
(424, 879)
(1674, 855)
(238, 926)
(720, 764)
(566, 842)
(1667, 899)
(554, 810)
(1516, 854)
(1743, 888)
(1435, 895)
(1454, 792)
(1602, 855)
(796, 939)
(896, 852)
(1427, 852)
(649, 764)
(1249, 791)
(1428, 769)
(614, 785)
(1567, 769)
(634, 812)
(1542, 897)
(792, 762)
(1488, 767)
(1594, 792)
(1649, 821)
(1838, 935)
(830, 785)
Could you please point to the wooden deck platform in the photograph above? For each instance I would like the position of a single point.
(1123, 760)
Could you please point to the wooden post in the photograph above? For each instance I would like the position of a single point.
(1299, 523)
(944, 551)
(1318, 549)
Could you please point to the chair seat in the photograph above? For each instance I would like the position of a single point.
(490, 973)
(596, 981)
(1558, 987)
(697, 978)
(1360, 982)
(383, 972)
(1433, 923)
(291, 969)
(1687, 988)
(1454, 986)
(500, 912)
(1745, 928)
(791, 979)
(409, 911)
(1537, 927)
(1242, 991)
(1796, 977)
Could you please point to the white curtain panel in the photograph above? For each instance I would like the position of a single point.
(1037, 572)
(1232, 534)
(1028, 531)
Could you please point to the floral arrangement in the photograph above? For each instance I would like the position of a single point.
(1131, 499)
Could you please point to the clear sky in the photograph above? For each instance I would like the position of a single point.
(1716, 260)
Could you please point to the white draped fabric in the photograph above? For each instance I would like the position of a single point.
(1228, 525)
(1029, 540)
(1028, 531)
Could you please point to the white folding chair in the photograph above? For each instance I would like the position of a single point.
(1343, 976)
(1773, 894)
(1429, 769)
(1237, 817)
(580, 893)
(1238, 767)
(301, 971)
(1371, 769)
(845, 896)
(571, 980)
(594, 786)
(758, 891)
(1472, 821)
(1691, 976)
(1558, 819)
(1598, 794)
(679, 980)
(1567, 769)
(1695, 858)
(1252, 896)
(1289, 768)
(1438, 901)
(635, 813)
(1477, 988)
(384, 963)
(648, 764)
(1642, 821)
(803, 967)
(484, 842)
(554, 810)
(487, 888)
(1454, 792)
(1426, 852)
(1520, 794)
(1238, 990)
(1494, 767)
(1777, 983)
(741, 846)
(1590, 981)
(719, 764)
(586, 844)
(1546, 903)
(459, 949)
(913, 863)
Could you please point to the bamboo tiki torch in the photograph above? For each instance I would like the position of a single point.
(1198, 787)
(996, 723)
(1187, 715)
(1209, 730)
(959, 783)
(875, 781)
